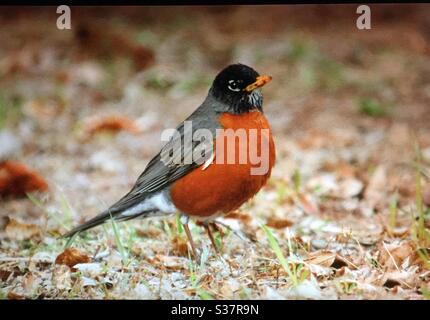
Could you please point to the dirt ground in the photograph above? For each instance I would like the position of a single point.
(345, 214)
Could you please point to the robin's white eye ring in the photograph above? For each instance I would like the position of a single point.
(232, 85)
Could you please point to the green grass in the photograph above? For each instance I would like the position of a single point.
(66, 209)
(194, 81)
(158, 81)
(118, 242)
(147, 38)
(281, 191)
(294, 271)
(203, 294)
(297, 180)
(331, 73)
(420, 233)
(166, 228)
(218, 240)
(372, 108)
(347, 286)
(10, 110)
(300, 49)
(315, 69)
(179, 226)
(3, 112)
(393, 212)
(425, 292)
(132, 236)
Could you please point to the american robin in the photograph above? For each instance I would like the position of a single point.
(204, 191)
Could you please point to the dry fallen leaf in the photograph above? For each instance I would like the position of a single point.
(61, 277)
(111, 123)
(326, 258)
(278, 223)
(307, 205)
(342, 169)
(148, 232)
(4, 274)
(14, 296)
(71, 257)
(401, 278)
(392, 255)
(16, 230)
(322, 258)
(16, 180)
(238, 216)
(180, 246)
(169, 262)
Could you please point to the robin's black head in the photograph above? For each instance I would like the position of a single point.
(237, 87)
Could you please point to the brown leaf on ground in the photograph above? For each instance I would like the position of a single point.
(322, 258)
(342, 169)
(16, 230)
(150, 232)
(142, 56)
(14, 296)
(340, 262)
(400, 231)
(402, 278)
(180, 246)
(71, 256)
(111, 123)
(392, 255)
(307, 205)
(16, 180)
(238, 216)
(4, 274)
(326, 258)
(278, 223)
(169, 262)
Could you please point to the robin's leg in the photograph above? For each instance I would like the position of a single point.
(184, 221)
(208, 226)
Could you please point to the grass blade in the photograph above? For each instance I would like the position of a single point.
(118, 242)
(277, 249)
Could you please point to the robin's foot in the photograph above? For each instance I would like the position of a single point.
(184, 221)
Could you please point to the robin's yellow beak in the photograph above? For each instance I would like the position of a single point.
(261, 81)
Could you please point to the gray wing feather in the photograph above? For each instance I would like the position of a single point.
(159, 173)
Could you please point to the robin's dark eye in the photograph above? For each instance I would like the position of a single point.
(233, 85)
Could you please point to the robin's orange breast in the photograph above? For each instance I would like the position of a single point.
(223, 187)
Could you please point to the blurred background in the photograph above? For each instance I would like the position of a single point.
(82, 110)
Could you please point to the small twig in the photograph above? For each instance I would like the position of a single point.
(392, 258)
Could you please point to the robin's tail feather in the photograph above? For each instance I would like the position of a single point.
(102, 218)
(97, 220)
